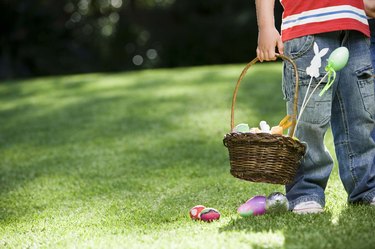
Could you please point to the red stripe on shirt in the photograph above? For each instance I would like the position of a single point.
(323, 27)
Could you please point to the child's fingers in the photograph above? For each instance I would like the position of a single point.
(266, 55)
(280, 46)
(260, 55)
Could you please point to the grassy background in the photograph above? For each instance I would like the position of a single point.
(117, 161)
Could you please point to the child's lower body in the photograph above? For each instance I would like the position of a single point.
(348, 107)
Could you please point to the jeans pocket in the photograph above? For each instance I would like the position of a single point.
(317, 108)
(365, 82)
(299, 46)
(287, 81)
(294, 49)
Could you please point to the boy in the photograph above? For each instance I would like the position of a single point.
(348, 106)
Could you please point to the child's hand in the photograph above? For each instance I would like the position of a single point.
(268, 40)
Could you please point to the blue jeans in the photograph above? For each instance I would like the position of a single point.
(348, 107)
(372, 48)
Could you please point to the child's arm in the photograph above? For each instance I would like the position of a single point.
(268, 36)
(370, 8)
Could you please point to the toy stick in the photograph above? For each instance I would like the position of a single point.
(307, 92)
(313, 71)
(305, 104)
(336, 61)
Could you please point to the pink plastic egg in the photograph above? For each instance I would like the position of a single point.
(209, 214)
(254, 206)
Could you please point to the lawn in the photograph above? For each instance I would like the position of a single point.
(117, 160)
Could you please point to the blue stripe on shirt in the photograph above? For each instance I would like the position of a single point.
(325, 14)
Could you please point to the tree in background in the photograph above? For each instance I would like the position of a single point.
(40, 37)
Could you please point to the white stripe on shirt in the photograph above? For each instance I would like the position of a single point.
(324, 14)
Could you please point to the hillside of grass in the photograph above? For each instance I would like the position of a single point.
(117, 160)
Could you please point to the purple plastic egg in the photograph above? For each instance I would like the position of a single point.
(254, 206)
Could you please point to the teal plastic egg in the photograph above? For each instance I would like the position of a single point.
(242, 128)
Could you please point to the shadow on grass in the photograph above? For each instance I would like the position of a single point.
(136, 139)
(351, 230)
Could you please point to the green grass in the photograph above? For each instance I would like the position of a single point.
(117, 161)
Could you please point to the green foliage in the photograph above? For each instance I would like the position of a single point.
(111, 35)
(117, 161)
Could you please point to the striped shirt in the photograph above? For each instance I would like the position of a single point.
(308, 17)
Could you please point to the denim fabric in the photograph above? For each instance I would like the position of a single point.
(372, 48)
(348, 107)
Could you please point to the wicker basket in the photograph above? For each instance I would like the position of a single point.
(264, 157)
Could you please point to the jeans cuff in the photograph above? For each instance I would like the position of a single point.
(307, 198)
(369, 197)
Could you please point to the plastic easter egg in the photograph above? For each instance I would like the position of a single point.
(264, 126)
(338, 58)
(254, 206)
(277, 130)
(209, 214)
(255, 130)
(242, 128)
(195, 212)
(277, 203)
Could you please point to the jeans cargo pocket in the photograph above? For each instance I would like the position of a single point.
(294, 49)
(318, 108)
(365, 82)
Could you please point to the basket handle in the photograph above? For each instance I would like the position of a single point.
(244, 71)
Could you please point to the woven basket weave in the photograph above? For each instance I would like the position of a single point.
(264, 157)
